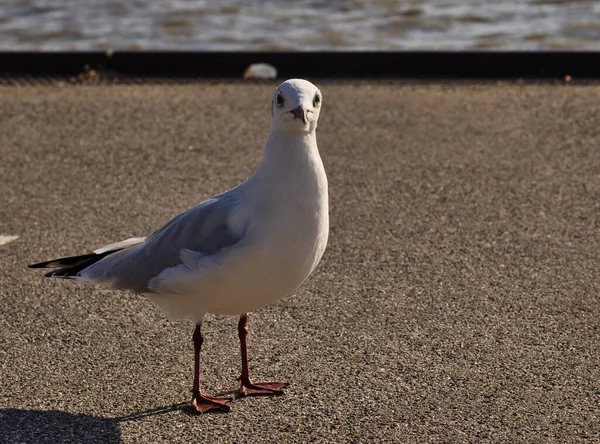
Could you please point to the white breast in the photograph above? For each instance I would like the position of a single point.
(283, 212)
(289, 227)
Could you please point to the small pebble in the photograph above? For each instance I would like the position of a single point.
(260, 71)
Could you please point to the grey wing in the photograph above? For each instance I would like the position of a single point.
(203, 229)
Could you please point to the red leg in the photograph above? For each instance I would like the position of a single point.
(247, 387)
(202, 403)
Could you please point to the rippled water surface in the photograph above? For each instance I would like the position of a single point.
(299, 25)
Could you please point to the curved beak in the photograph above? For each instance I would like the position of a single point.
(300, 113)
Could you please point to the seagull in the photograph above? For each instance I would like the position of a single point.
(236, 252)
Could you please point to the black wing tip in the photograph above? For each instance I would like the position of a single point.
(69, 261)
(50, 274)
(70, 266)
(60, 272)
(55, 263)
(65, 273)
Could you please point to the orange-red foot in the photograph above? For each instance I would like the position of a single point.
(203, 403)
(249, 388)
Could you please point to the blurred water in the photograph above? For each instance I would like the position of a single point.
(230, 25)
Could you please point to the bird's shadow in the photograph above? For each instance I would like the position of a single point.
(56, 427)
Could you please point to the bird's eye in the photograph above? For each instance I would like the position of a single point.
(279, 100)
(316, 100)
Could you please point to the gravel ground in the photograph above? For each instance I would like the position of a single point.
(458, 300)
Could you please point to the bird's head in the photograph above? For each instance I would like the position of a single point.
(296, 105)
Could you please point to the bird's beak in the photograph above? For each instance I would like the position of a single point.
(300, 113)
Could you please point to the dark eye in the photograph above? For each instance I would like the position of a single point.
(279, 100)
(316, 100)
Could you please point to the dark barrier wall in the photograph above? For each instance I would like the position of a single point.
(425, 65)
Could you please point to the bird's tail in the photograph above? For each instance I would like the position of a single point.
(69, 267)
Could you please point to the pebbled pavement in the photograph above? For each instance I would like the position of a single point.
(458, 300)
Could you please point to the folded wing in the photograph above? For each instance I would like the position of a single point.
(131, 264)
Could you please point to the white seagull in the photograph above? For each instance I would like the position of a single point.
(237, 251)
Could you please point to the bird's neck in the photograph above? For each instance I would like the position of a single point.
(290, 162)
(288, 150)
